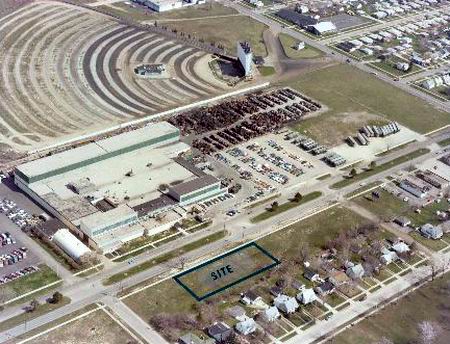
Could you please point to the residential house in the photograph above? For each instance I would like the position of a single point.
(220, 331)
(324, 288)
(355, 272)
(286, 304)
(246, 327)
(270, 314)
(402, 221)
(431, 232)
(311, 275)
(297, 285)
(191, 338)
(307, 296)
(237, 312)
(338, 278)
(401, 247)
(387, 257)
(250, 298)
(276, 291)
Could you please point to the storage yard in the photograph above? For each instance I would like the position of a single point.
(91, 74)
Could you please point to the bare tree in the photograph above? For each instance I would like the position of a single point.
(428, 331)
(178, 263)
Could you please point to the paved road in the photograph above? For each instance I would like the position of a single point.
(133, 320)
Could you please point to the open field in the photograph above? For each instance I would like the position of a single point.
(399, 321)
(314, 231)
(68, 71)
(288, 42)
(241, 264)
(224, 31)
(140, 13)
(30, 282)
(355, 98)
(97, 327)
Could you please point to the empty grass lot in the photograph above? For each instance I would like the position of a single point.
(288, 43)
(97, 327)
(285, 207)
(226, 31)
(355, 98)
(315, 231)
(380, 168)
(30, 282)
(398, 322)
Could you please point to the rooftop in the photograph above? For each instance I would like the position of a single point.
(194, 185)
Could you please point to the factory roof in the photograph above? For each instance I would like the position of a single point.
(94, 152)
(194, 185)
(100, 219)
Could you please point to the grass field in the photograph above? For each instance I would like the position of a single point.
(444, 143)
(141, 14)
(97, 327)
(242, 263)
(355, 98)
(226, 31)
(285, 207)
(380, 168)
(30, 282)
(315, 231)
(398, 322)
(266, 70)
(288, 42)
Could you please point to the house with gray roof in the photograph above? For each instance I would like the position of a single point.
(220, 331)
(355, 272)
(191, 338)
(431, 232)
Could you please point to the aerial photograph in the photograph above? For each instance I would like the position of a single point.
(225, 171)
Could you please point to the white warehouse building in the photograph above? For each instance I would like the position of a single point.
(70, 244)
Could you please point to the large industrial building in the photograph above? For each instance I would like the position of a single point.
(107, 192)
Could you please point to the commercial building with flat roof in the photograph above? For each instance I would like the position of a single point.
(102, 190)
(149, 136)
(196, 190)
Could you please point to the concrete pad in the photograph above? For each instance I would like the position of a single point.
(377, 145)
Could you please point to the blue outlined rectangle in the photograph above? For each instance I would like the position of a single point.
(273, 262)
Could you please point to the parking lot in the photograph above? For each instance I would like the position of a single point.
(272, 162)
(10, 263)
(15, 208)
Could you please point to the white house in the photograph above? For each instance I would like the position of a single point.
(307, 296)
(246, 327)
(286, 304)
(270, 314)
